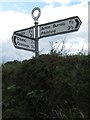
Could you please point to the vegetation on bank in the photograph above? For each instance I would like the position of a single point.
(50, 86)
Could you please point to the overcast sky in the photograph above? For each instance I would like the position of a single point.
(17, 15)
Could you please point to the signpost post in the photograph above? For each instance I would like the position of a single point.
(36, 29)
(28, 39)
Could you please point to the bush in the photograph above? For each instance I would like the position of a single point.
(47, 87)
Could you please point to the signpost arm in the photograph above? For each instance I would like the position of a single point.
(36, 40)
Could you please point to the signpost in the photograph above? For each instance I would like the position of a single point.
(28, 39)
(22, 42)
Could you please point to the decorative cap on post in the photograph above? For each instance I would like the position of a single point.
(35, 17)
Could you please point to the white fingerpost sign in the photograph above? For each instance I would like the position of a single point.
(25, 43)
(28, 32)
(60, 27)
